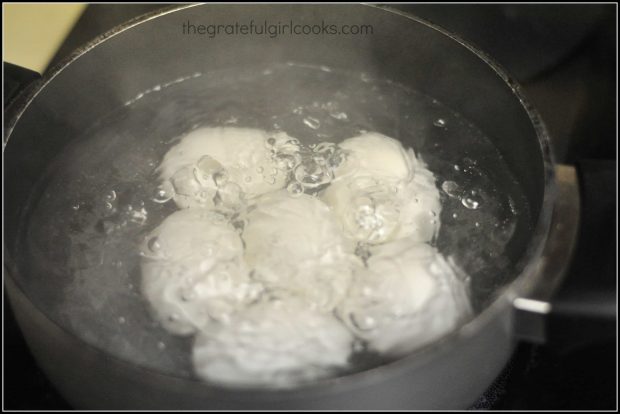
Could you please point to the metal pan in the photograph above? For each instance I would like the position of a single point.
(53, 113)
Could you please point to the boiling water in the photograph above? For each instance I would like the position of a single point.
(101, 198)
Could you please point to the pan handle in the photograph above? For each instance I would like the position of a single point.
(16, 78)
(574, 304)
(17, 81)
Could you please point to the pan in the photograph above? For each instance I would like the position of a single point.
(84, 141)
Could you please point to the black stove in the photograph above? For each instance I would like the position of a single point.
(565, 58)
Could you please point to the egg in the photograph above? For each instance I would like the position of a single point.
(276, 342)
(220, 166)
(382, 192)
(420, 207)
(374, 154)
(293, 243)
(193, 271)
(407, 297)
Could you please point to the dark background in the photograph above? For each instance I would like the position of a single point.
(565, 58)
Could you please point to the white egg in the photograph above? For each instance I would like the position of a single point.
(374, 154)
(408, 297)
(277, 342)
(193, 271)
(382, 192)
(293, 243)
(236, 162)
(420, 207)
(367, 208)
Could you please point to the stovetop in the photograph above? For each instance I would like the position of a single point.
(564, 56)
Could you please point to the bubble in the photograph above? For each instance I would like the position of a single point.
(450, 188)
(373, 217)
(111, 196)
(439, 122)
(137, 216)
(336, 159)
(292, 141)
(205, 170)
(325, 148)
(366, 218)
(341, 116)
(164, 193)
(248, 179)
(311, 122)
(470, 203)
(295, 189)
(456, 167)
(312, 173)
(286, 162)
(122, 320)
